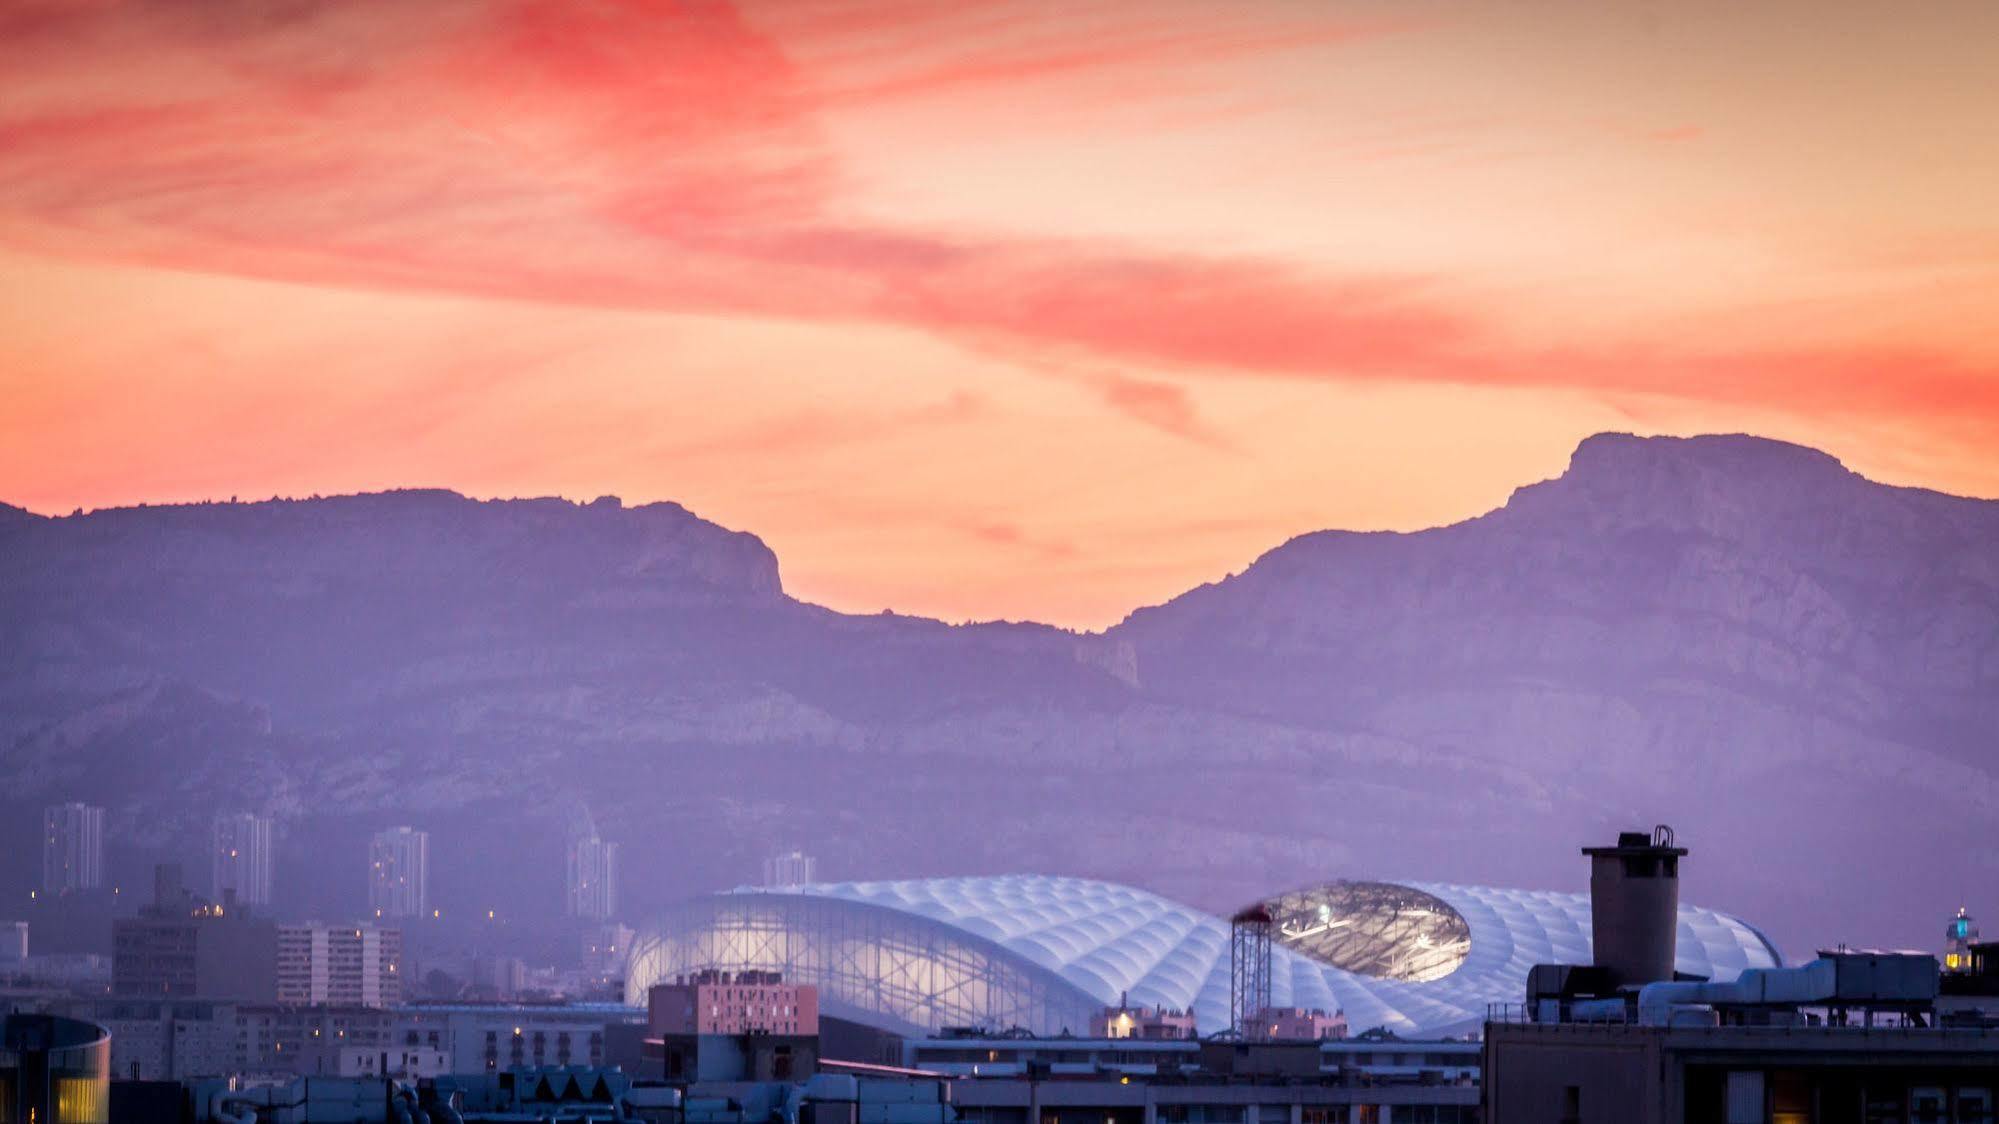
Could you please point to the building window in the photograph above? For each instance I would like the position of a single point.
(1201, 1114)
(1745, 1097)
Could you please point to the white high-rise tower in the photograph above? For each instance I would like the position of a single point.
(240, 858)
(72, 848)
(793, 868)
(593, 878)
(399, 873)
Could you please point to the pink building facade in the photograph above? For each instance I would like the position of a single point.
(1124, 1021)
(732, 1003)
(1297, 1023)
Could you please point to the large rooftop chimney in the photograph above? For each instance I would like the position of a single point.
(1634, 906)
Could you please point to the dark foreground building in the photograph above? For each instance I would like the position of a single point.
(1591, 1073)
(183, 945)
(1851, 1038)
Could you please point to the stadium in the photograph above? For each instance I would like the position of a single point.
(1045, 954)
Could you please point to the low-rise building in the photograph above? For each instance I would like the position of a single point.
(1852, 1036)
(72, 971)
(498, 978)
(1239, 1100)
(182, 1039)
(1308, 1024)
(1968, 995)
(307, 1039)
(403, 1063)
(1740, 1075)
(166, 1039)
(740, 1026)
(490, 1037)
(1377, 1058)
(1126, 1021)
(733, 1003)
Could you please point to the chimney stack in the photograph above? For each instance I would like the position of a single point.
(1634, 905)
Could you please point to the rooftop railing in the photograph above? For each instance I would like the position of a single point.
(1887, 1023)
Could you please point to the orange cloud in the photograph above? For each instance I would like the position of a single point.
(646, 154)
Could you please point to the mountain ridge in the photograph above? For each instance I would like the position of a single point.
(1738, 636)
(1597, 457)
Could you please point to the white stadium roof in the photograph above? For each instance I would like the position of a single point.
(1046, 952)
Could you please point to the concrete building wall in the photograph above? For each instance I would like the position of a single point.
(307, 1040)
(356, 965)
(153, 956)
(487, 1039)
(236, 958)
(164, 1039)
(735, 1057)
(13, 942)
(1583, 1078)
(211, 956)
(141, 1049)
(1008, 1101)
(1737, 1074)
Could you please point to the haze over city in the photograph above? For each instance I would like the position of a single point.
(1166, 562)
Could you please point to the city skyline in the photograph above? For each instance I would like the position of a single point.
(1139, 562)
(1021, 312)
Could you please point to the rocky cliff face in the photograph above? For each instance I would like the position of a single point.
(1745, 565)
(1796, 667)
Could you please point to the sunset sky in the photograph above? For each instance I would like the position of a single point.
(995, 309)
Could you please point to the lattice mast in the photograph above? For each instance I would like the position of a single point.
(1249, 972)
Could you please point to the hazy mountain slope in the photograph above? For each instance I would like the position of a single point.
(1742, 563)
(1784, 659)
(476, 666)
(1795, 666)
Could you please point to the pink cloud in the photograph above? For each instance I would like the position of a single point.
(640, 153)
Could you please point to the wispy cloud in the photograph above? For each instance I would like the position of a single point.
(637, 153)
(794, 431)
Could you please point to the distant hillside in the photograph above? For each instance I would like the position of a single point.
(1796, 667)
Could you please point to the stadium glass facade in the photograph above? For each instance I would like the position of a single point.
(1045, 953)
(878, 965)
